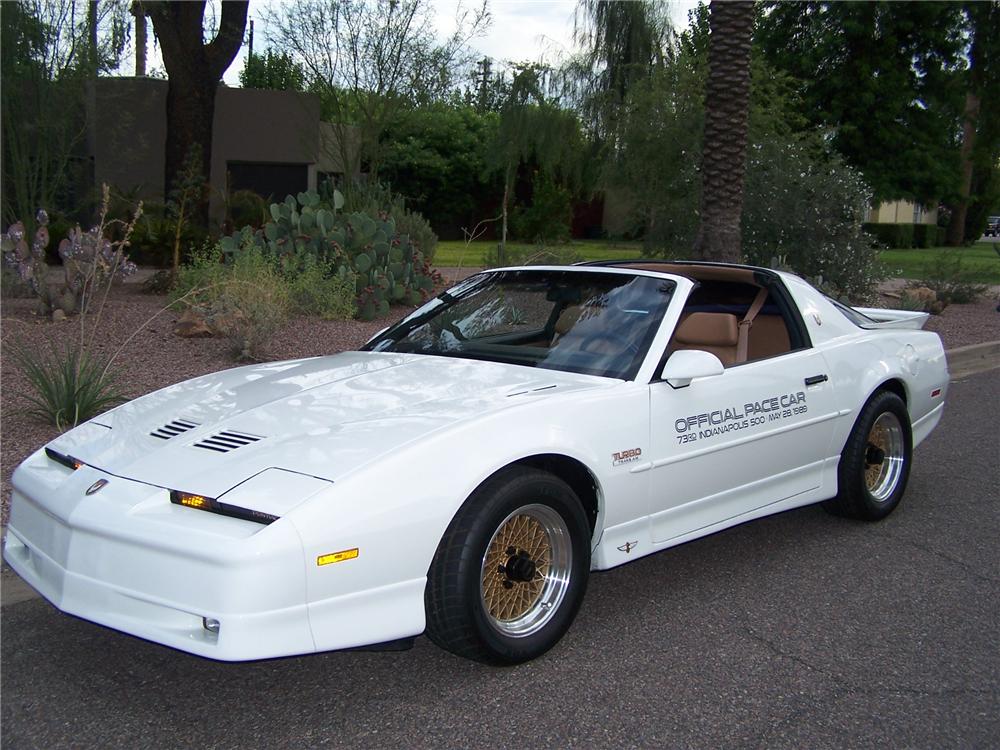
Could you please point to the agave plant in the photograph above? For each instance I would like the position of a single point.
(69, 384)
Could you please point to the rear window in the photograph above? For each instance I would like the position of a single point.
(859, 319)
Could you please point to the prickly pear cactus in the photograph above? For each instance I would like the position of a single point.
(28, 262)
(89, 260)
(389, 268)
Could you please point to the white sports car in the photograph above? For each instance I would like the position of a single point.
(463, 472)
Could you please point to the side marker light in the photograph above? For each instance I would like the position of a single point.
(336, 557)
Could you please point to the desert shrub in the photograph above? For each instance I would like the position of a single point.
(246, 300)
(203, 270)
(252, 304)
(944, 275)
(72, 382)
(807, 207)
(388, 265)
(160, 282)
(317, 288)
(152, 241)
(69, 383)
(920, 298)
(912, 302)
(549, 216)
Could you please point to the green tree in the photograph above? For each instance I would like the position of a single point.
(882, 77)
(623, 43)
(194, 70)
(435, 156)
(533, 127)
(273, 71)
(980, 149)
(802, 205)
(727, 108)
(370, 60)
(49, 49)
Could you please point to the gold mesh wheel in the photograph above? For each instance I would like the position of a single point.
(526, 570)
(884, 456)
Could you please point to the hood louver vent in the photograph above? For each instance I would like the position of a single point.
(226, 441)
(173, 429)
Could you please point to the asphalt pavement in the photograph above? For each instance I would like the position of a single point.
(800, 630)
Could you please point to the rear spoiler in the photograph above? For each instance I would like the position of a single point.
(883, 318)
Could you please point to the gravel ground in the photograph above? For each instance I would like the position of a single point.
(155, 357)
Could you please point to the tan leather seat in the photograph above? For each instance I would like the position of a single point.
(768, 337)
(717, 333)
(567, 319)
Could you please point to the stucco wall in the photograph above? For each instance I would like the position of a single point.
(128, 137)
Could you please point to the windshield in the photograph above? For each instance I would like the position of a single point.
(578, 321)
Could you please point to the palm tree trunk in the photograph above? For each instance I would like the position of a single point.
(727, 99)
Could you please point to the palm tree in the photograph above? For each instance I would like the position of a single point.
(727, 98)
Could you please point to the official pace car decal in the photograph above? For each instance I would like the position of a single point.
(751, 414)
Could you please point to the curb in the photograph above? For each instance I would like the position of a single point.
(969, 360)
(962, 362)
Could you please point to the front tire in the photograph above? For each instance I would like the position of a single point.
(875, 463)
(511, 571)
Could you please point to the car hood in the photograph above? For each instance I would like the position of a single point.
(323, 417)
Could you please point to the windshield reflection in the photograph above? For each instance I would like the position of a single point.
(587, 322)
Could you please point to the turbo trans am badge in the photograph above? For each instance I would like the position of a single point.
(626, 457)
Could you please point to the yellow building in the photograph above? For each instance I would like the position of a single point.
(902, 212)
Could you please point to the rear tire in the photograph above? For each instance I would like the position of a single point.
(511, 571)
(875, 462)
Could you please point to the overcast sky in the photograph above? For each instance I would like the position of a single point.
(527, 30)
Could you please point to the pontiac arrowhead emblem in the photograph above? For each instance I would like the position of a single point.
(96, 486)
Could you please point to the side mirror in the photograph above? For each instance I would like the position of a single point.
(687, 364)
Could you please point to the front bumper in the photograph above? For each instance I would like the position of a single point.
(127, 558)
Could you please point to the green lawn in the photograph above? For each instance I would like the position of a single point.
(978, 263)
(457, 253)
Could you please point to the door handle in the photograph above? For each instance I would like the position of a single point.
(816, 379)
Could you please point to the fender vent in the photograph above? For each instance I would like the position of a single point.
(173, 429)
(226, 441)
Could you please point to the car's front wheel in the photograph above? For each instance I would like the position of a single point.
(875, 462)
(511, 571)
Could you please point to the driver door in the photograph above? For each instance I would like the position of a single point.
(728, 444)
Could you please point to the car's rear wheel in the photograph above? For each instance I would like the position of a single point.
(875, 462)
(511, 571)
